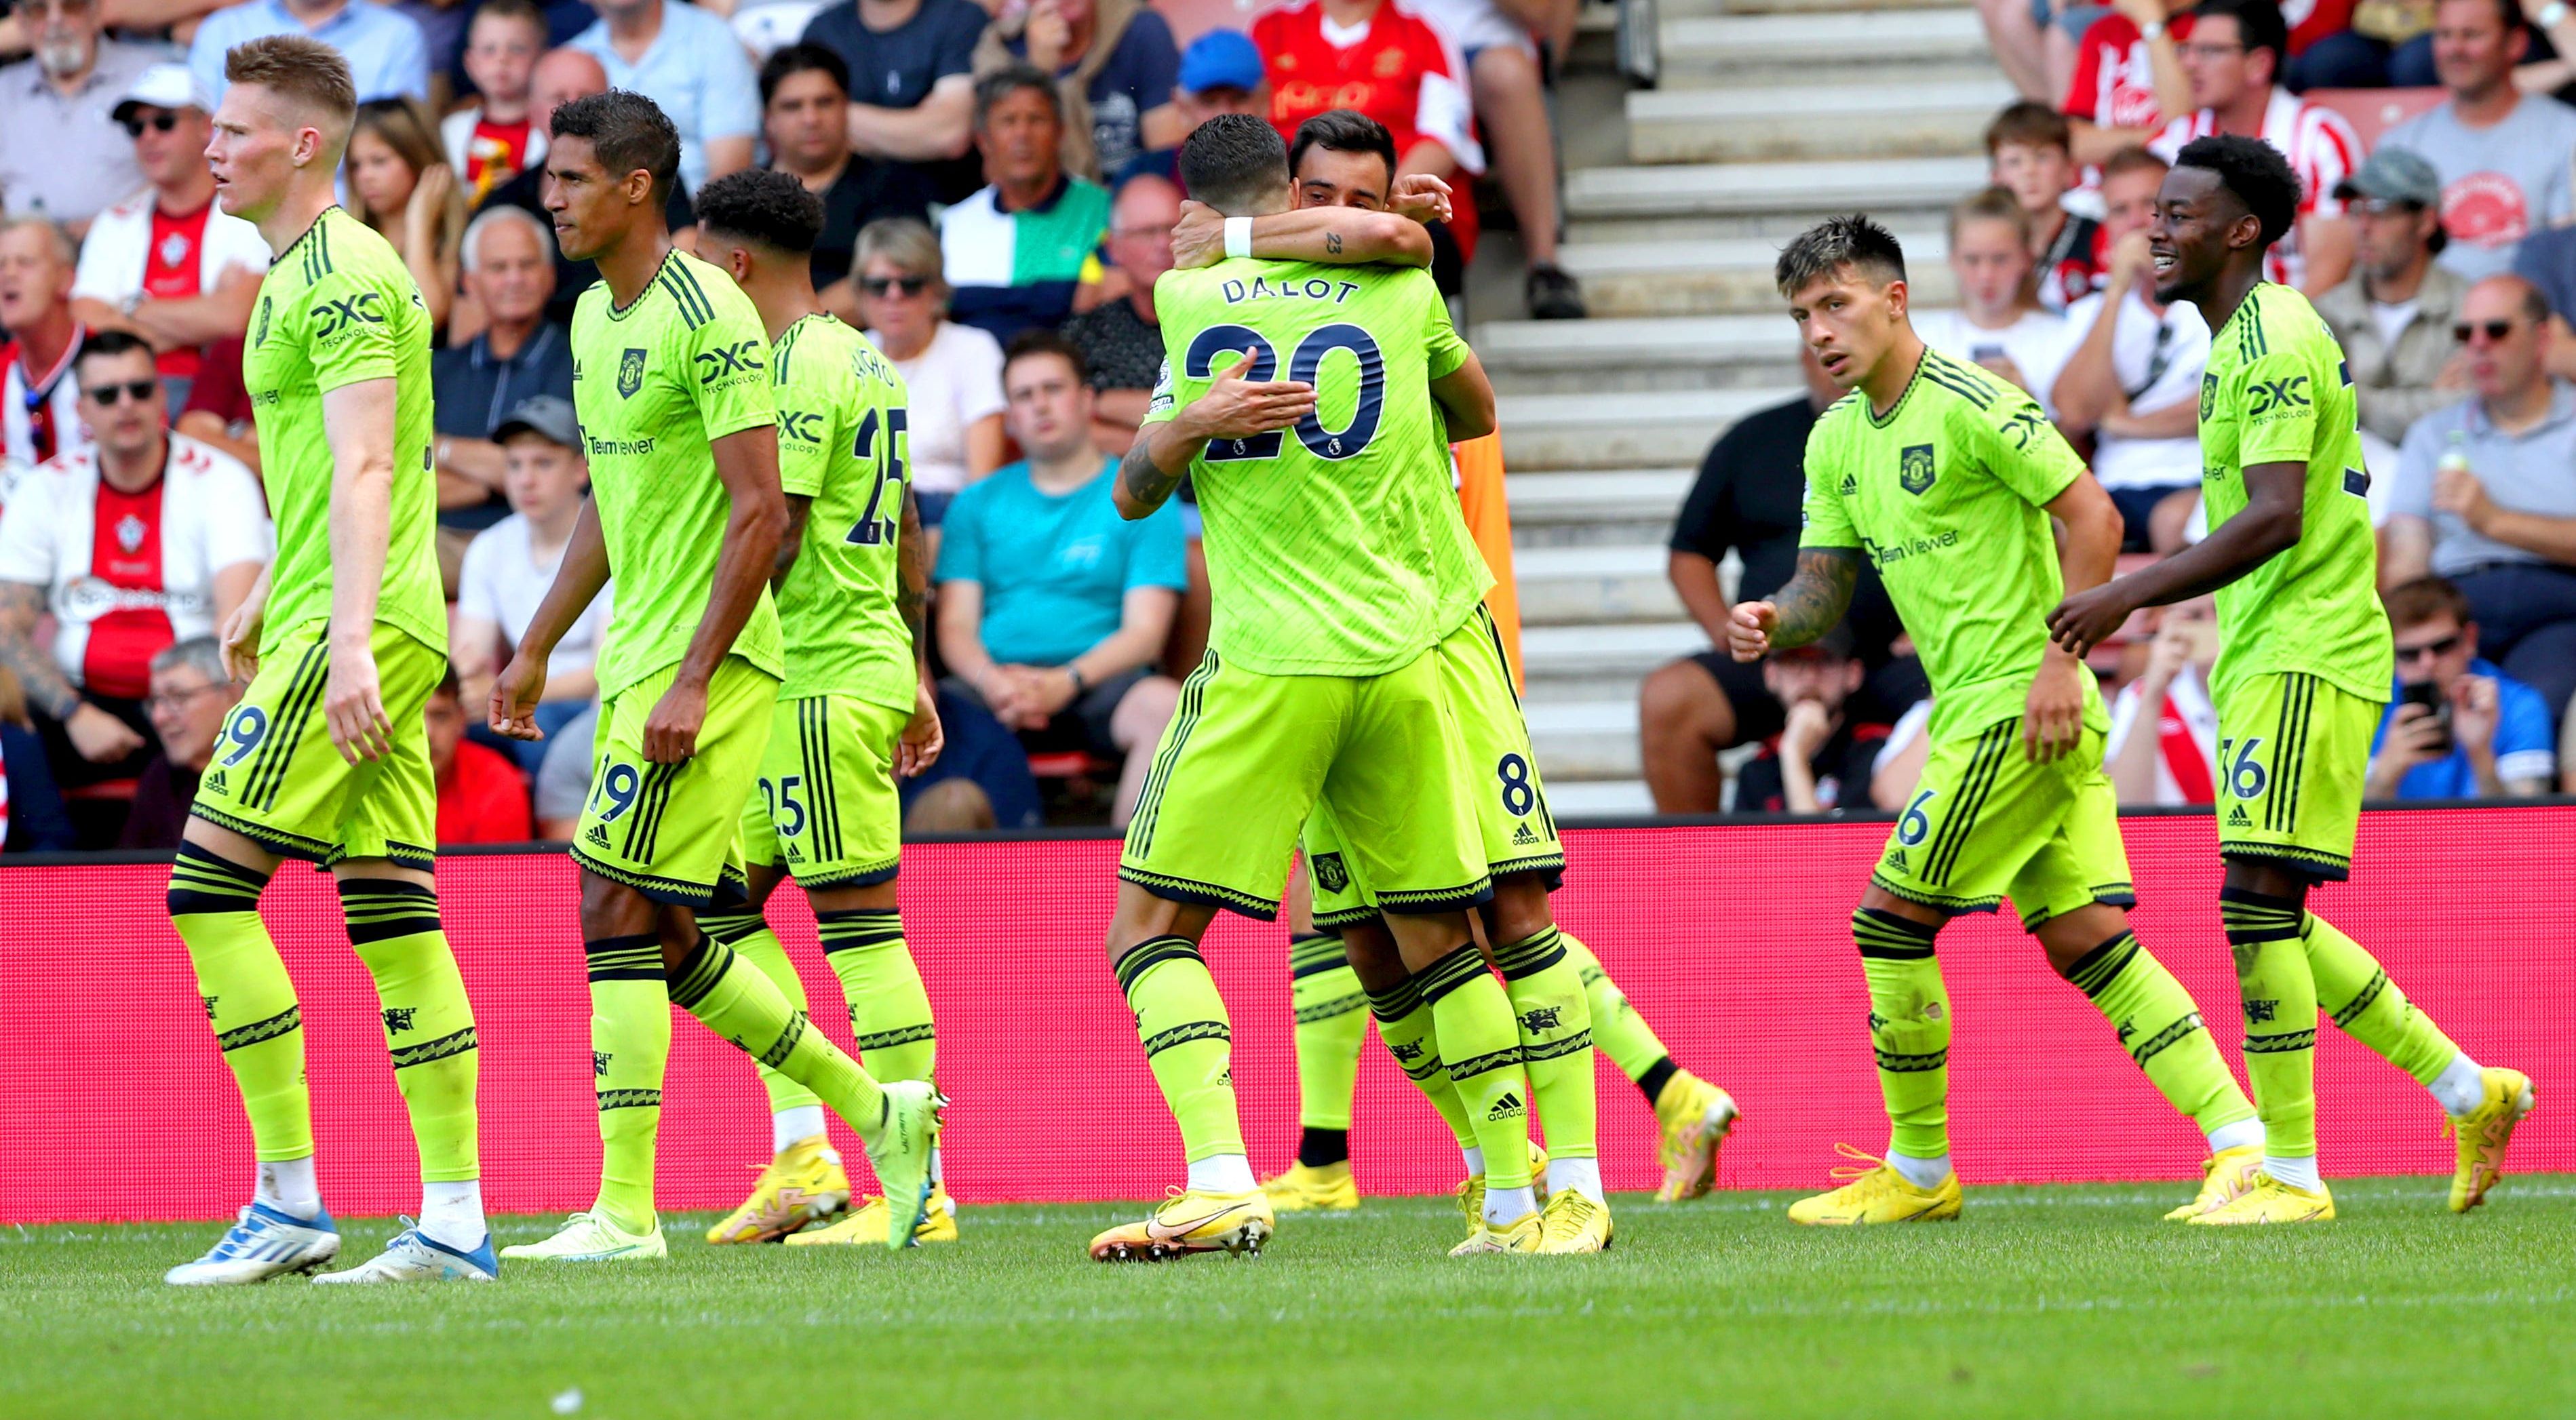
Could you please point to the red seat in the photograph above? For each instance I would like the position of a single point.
(2372, 112)
(1069, 764)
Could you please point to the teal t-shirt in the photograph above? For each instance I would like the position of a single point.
(1055, 568)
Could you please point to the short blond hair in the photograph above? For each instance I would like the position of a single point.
(303, 71)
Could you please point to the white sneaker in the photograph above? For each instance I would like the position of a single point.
(414, 1256)
(590, 1237)
(261, 1244)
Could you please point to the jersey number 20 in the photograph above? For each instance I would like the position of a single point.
(1336, 444)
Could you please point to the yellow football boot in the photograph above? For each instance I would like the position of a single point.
(2484, 1134)
(1190, 1221)
(2270, 1201)
(1877, 1194)
(1572, 1223)
(1302, 1189)
(867, 1224)
(1529, 1234)
(1471, 1198)
(798, 1189)
(2224, 1179)
(1695, 1116)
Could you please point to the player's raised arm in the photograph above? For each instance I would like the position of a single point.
(578, 578)
(2275, 514)
(358, 420)
(1345, 236)
(1234, 407)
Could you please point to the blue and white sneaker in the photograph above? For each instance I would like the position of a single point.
(415, 1256)
(262, 1244)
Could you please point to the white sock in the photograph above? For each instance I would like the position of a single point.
(1225, 1173)
(2243, 1133)
(1922, 1173)
(937, 1176)
(1581, 1175)
(1475, 1158)
(2298, 1173)
(288, 1186)
(1506, 1206)
(791, 1127)
(2461, 1087)
(452, 1213)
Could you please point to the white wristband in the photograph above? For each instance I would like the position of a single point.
(1238, 236)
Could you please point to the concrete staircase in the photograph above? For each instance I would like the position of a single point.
(1767, 115)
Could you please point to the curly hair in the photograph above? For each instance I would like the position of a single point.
(1834, 243)
(2255, 172)
(765, 206)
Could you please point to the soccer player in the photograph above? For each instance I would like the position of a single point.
(670, 379)
(1335, 578)
(1947, 479)
(2303, 674)
(343, 637)
(854, 713)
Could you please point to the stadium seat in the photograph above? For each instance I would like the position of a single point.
(2373, 112)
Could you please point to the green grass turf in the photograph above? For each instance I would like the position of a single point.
(2058, 1301)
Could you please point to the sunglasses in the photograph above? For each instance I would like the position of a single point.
(889, 285)
(2494, 330)
(158, 123)
(2434, 649)
(110, 395)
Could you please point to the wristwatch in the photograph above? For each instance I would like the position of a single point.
(2552, 14)
(2154, 30)
(1073, 673)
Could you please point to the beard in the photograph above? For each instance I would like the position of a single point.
(62, 56)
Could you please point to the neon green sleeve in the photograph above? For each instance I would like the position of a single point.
(1828, 520)
(2024, 450)
(2276, 409)
(350, 313)
(727, 357)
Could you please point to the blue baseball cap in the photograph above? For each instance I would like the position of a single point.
(1221, 59)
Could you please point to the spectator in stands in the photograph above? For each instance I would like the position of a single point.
(219, 413)
(388, 57)
(953, 372)
(2393, 314)
(2127, 78)
(2502, 154)
(1748, 500)
(2164, 729)
(399, 183)
(805, 112)
(60, 156)
(2547, 259)
(1508, 89)
(482, 796)
(494, 139)
(912, 83)
(513, 562)
(2132, 379)
(1116, 70)
(1023, 252)
(2233, 61)
(39, 400)
(687, 61)
(1221, 72)
(1122, 340)
(191, 696)
(2363, 46)
(520, 354)
(2027, 152)
(2486, 493)
(139, 540)
(1822, 758)
(166, 262)
(32, 819)
(2460, 727)
(1053, 609)
(1999, 323)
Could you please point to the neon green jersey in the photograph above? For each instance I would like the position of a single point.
(841, 442)
(2277, 390)
(1945, 496)
(338, 308)
(656, 384)
(1328, 551)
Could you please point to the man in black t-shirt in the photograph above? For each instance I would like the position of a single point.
(912, 84)
(804, 113)
(1122, 340)
(1821, 759)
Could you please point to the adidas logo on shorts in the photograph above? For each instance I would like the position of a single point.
(597, 837)
(1508, 1107)
(1522, 836)
(215, 782)
(2238, 818)
(1897, 860)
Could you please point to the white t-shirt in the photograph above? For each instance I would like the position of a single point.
(502, 582)
(2158, 362)
(954, 381)
(2037, 345)
(2188, 698)
(118, 247)
(2392, 318)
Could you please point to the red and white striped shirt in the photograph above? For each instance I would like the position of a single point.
(2322, 149)
(40, 409)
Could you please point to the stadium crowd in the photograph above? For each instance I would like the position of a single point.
(2443, 255)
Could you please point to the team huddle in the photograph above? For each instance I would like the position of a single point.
(763, 689)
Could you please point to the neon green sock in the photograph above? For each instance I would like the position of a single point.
(735, 1000)
(889, 1010)
(1617, 1029)
(1332, 1021)
(1404, 1024)
(249, 1002)
(1481, 1046)
(1909, 1027)
(630, 1039)
(429, 1025)
(2161, 1029)
(1556, 1039)
(1188, 1041)
(746, 930)
(2364, 1004)
(2279, 991)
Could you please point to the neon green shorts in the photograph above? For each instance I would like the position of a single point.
(826, 805)
(277, 780)
(1986, 824)
(1518, 832)
(673, 831)
(2293, 754)
(1248, 756)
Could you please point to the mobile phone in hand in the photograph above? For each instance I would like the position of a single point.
(2430, 696)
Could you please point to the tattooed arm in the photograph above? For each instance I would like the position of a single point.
(1233, 407)
(1800, 612)
(21, 607)
(1340, 236)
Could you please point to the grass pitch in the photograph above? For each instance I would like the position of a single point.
(2059, 1301)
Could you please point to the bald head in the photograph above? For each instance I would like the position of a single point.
(561, 76)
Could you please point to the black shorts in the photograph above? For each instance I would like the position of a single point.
(1884, 697)
(1081, 725)
(2136, 506)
